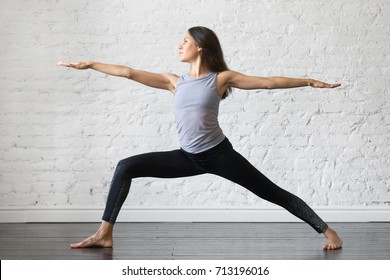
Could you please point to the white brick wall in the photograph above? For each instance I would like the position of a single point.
(63, 131)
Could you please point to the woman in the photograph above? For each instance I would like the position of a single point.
(204, 147)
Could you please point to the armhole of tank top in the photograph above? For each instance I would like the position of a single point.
(215, 85)
(181, 78)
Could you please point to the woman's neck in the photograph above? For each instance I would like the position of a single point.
(198, 70)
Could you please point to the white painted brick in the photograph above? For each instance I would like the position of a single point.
(300, 141)
(62, 131)
(20, 199)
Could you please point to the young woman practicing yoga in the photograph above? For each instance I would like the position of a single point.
(203, 146)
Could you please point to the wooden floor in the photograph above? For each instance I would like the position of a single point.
(221, 241)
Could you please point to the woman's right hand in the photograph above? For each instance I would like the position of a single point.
(75, 65)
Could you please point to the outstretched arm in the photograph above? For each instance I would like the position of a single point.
(238, 80)
(161, 81)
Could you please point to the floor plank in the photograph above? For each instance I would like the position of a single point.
(166, 241)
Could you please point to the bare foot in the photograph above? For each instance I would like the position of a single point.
(334, 241)
(102, 238)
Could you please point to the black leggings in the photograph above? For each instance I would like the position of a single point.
(221, 160)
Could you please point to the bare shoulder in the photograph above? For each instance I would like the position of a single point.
(222, 81)
(225, 79)
(225, 75)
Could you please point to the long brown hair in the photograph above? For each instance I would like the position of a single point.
(212, 54)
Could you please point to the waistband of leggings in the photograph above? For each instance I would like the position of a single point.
(224, 145)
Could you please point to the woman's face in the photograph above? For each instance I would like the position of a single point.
(188, 50)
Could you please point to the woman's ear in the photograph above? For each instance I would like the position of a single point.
(200, 49)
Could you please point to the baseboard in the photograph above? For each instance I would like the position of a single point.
(75, 215)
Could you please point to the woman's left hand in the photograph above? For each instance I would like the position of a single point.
(319, 84)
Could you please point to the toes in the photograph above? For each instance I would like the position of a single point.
(77, 245)
(74, 245)
(332, 246)
(85, 243)
(92, 242)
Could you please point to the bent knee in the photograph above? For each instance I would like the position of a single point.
(128, 166)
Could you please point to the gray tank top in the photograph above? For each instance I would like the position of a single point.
(196, 109)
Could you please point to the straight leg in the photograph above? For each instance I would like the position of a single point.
(234, 167)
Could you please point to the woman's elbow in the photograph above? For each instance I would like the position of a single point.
(128, 73)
